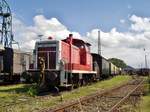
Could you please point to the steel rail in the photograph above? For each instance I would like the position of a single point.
(84, 99)
(113, 109)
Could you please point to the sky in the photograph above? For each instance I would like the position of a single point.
(124, 25)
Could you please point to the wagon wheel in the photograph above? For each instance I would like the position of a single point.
(83, 82)
(78, 84)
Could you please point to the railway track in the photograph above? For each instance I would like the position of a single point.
(107, 101)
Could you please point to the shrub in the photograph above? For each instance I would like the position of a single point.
(33, 91)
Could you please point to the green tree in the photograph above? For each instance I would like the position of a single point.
(118, 62)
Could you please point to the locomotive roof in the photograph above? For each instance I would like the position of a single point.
(78, 40)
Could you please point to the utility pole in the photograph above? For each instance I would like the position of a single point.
(146, 62)
(146, 66)
(145, 58)
(99, 42)
(147, 69)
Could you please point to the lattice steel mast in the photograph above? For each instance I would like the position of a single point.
(6, 36)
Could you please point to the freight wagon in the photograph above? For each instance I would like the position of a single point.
(105, 68)
(12, 64)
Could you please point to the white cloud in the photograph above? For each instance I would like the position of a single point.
(124, 45)
(139, 23)
(27, 35)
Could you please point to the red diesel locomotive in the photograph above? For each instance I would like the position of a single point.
(68, 62)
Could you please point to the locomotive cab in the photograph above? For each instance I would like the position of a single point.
(49, 50)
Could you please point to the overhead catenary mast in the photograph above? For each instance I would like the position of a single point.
(99, 42)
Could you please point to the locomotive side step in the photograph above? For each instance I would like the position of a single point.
(66, 86)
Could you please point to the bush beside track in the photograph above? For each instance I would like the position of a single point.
(16, 99)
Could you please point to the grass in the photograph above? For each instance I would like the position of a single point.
(145, 102)
(17, 93)
(19, 88)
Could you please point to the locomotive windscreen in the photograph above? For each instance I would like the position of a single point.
(49, 55)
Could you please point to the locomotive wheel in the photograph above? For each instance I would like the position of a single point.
(56, 91)
(78, 84)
